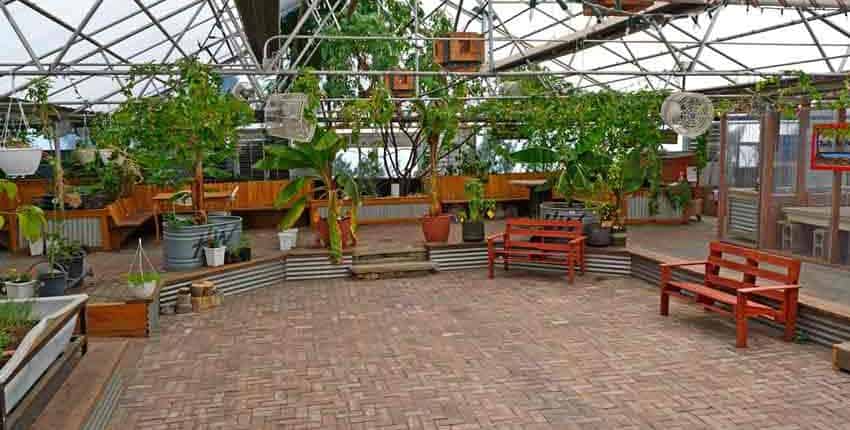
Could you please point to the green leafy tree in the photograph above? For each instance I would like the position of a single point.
(181, 136)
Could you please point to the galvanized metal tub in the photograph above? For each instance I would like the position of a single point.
(183, 247)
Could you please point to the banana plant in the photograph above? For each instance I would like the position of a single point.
(30, 218)
(318, 157)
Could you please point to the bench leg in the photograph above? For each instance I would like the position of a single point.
(741, 322)
(790, 308)
(665, 302)
(490, 267)
(571, 269)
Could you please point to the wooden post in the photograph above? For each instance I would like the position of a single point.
(769, 140)
(804, 117)
(723, 186)
(835, 215)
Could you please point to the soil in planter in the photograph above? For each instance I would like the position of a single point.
(11, 337)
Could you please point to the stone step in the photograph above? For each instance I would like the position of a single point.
(402, 269)
(375, 256)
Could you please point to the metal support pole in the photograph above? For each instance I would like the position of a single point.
(835, 213)
(723, 186)
(767, 217)
(804, 117)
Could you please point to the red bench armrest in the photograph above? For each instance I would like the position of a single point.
(578, 241)
(767, 288)
(493, 237)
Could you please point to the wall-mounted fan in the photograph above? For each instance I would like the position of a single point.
(284, 117)
(688, 114)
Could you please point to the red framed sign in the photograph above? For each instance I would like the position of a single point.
(831, 147)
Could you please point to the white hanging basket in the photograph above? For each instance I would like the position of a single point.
(18, 162)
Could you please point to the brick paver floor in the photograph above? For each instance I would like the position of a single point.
(458, 351)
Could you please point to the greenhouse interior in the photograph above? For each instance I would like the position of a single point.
(398, 214)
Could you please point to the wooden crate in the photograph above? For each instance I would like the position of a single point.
(460, 55)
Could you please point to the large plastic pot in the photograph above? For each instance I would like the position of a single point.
(473, 231)
(183, 247)
(74, 265)
(436, 228)
(53, 284)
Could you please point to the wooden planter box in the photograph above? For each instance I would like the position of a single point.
(460, 55)
(124, 318)
(401, 85)
(626, 5)
(43, 359)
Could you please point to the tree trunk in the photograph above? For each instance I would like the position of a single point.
(198, 203)
(433, 141)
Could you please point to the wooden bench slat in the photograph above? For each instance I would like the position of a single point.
(714, 294)
(566, 234)
(751, 270)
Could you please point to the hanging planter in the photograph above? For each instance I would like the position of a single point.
(86, 155)
(463, 55)
(18, 162)
(401, 85)
(142, 281)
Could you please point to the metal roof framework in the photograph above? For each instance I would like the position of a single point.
(89, 46)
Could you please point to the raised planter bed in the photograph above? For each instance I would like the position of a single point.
(118, 313)
(22, 378)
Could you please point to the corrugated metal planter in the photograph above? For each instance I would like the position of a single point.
(183, 246)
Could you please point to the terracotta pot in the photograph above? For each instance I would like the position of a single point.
(436, 228)
(325, 234)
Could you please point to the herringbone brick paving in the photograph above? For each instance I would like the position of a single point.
(459, 351)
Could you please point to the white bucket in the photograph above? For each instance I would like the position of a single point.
(37, 247)
(23, 290)
(215, 256)
(287, 239)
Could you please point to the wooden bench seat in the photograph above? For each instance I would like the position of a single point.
(553, 242)
(125, 219)
(745, 298)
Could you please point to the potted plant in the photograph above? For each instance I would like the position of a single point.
(319, 155)
(600, 234)
(244, 249)
(142, 285)
(17, 158)
(472, 220)
(70, 255)
(214, 252)
(19, 285)
(439, 123)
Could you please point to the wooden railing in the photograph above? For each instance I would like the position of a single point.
(498, 187)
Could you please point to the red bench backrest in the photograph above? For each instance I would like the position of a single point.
(752, 265)
(549, 233)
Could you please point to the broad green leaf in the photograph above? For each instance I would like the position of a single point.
(289, 192)
(293, 214)
(535, 155)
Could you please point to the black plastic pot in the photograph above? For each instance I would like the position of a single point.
(74, 265)
(244, 254)
(473, 231)
(599, 236)
(95, 201)
(618, 238)
(52, 284)
(44, 202)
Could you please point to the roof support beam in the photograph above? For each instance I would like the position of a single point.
(815, 39)
(76, 34)
(158, 25)
(21, 36)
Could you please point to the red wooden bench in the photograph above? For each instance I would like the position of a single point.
(555, 242)
(777, 301)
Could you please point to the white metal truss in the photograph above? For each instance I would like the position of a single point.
(93, 46)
